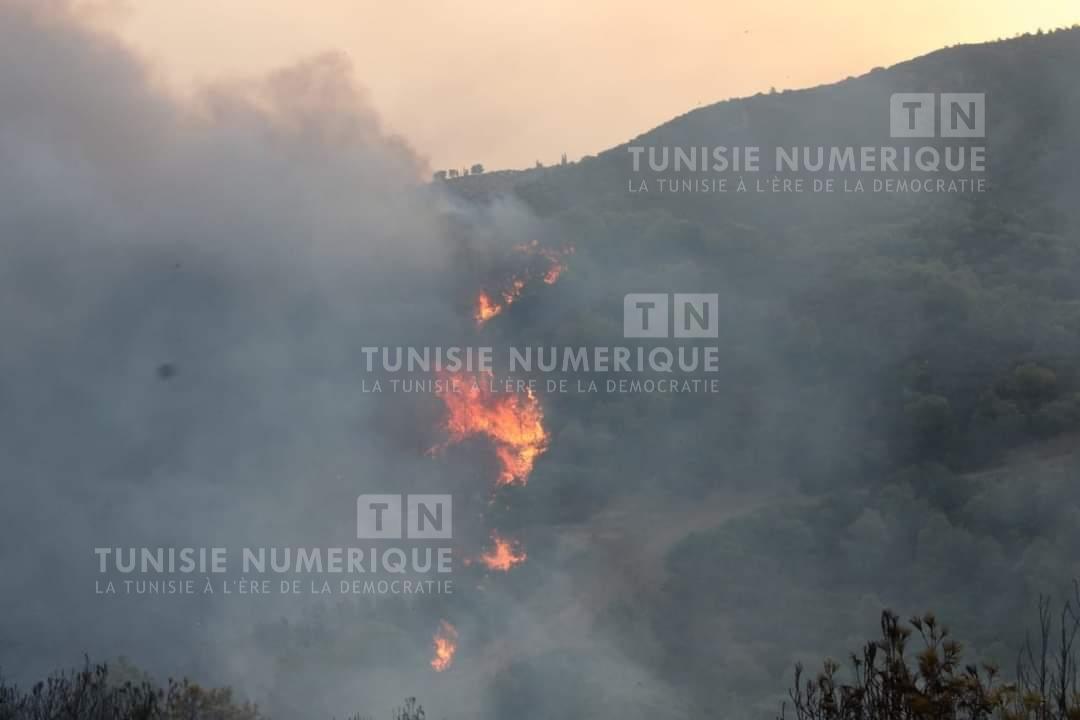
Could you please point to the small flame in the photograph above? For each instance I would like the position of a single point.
(445, 644)
(488, 305)
(514, 422)
(504, 554)
(514, 292)
(556, 265)
(486, 308)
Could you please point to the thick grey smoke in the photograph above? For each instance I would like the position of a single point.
(185, 289)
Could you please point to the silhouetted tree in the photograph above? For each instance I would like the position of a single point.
(93, 694)
(98, 693)
(890, 683)
(410, 711)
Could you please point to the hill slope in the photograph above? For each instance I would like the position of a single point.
(881, 352)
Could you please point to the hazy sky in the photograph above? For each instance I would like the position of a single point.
(507, 82)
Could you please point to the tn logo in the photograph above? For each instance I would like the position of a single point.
(959, 115)
(426, 517)
(649, 315)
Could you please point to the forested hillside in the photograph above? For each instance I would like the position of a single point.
(899, 359)
(191, 286)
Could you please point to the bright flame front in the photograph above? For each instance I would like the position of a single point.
(490, 304)
(445, 643)
(503, 555)
(486, 308)
(514, 422)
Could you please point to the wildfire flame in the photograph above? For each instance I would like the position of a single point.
(490, 304)
(514, 422)
(486, 308)
(504, 554)
(445, 644)
(553, 273)
(556, 265)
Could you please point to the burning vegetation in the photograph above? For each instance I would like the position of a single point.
(445, 644)
(556, 260)
(513, 422)
(488, 307)
(503, 555)
(543, 262)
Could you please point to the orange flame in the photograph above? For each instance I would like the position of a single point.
(504, 555)
(556, 265)
(514, 422)
(488, 306)
(553, 273)
(445, 643)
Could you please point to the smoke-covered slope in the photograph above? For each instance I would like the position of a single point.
(881, 352)
(188, 285)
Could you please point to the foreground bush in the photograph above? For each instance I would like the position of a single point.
(892, 683)
(92, 694)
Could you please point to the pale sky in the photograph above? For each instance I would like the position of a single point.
(509, 82)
